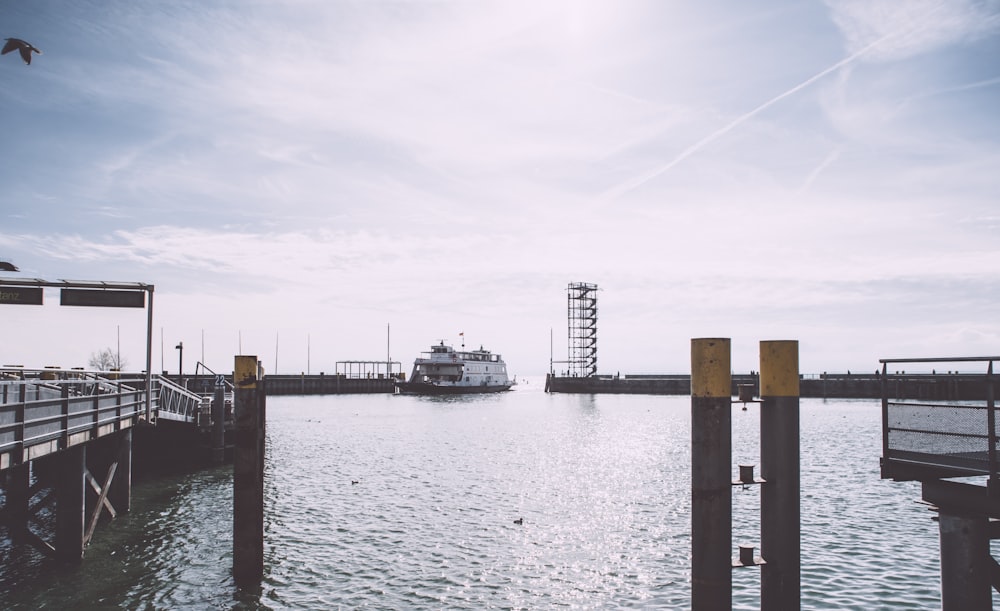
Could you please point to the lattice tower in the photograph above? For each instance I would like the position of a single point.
(581, 300)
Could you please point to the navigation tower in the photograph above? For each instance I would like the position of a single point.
(582, 314)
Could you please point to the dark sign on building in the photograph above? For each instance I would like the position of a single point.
(21, 295)
(103, 298)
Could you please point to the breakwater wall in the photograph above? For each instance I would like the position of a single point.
(303, 384)
(928, 386)
(322, 384)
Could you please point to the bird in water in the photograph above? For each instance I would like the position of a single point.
(7, 267)
(519, 521)
(24, 48)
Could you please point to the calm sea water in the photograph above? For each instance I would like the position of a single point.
(602, 484)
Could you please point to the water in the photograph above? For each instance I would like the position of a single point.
(602, 484)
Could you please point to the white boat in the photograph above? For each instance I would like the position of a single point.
(446, 371)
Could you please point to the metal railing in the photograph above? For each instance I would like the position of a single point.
(47, 410)
(174, 402)
(38, 417)
(926, 439)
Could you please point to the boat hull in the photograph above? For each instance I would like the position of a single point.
(423, 388)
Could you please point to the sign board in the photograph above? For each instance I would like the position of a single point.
(103, 298)
(21, 295)
(245, 372)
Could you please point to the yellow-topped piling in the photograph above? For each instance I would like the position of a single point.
(779, 368)
(780, 530)
(711, 479)
(248, 471)
(711, 372)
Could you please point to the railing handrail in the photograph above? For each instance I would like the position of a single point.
(225, 382)
(165, 382)
(957, 359)
(70, 370)
(48, 423)
(172, 398)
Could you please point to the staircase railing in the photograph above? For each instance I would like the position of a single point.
(174, 402)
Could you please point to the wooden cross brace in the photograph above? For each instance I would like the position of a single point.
(102, 499)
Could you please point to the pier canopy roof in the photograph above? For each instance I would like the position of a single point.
(77, 284)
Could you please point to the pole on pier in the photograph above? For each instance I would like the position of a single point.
(780, 529)
(71, 503)
(219, 421)
(711, 463)
(149, 354)
(248, 473)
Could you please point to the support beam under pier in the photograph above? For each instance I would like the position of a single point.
(71, 503)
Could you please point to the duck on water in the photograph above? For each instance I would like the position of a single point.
(446, 371)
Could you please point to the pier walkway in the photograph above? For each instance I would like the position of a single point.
(44, 411)
(78, 426)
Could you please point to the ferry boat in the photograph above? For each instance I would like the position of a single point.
(446, 371)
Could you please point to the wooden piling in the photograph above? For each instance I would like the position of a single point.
(248, 473)
(71, 503)
(120, 494)
(965, 561)
(219, 422)
(18, 496)
(779, 467)
(711, 460)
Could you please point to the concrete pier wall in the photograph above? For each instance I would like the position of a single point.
(303, 384)
(322, 384)
(933, 386)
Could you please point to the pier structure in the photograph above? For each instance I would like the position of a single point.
(947, 445)
(357, 370)
(66, 448)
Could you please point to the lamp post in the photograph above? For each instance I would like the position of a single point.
(180, 360)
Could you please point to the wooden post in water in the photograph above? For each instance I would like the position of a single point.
(120, 493)
(965, 561)
(219, 421)
(711, 466)
(71, 503)
(779, 467)
(18, 499)
(248, 473)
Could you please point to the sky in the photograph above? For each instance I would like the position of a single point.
(314, 181)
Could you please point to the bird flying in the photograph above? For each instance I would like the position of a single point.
(22, 47)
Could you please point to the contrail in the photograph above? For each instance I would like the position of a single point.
(616, 192)
(830, 158)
